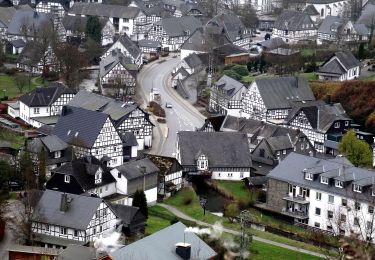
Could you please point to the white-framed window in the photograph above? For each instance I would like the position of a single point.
(357, 188)
(318, 196)
(324, 180)
(330, 214)
(339, 184)
(337, 125)
(75, 233)
(317, 211)
(36, 110)
(317, 224)
(46, 227)
(67, 178)
(331, 199)
(309, 176)
(125, 20)
(370, 209)
(344, 202)
(346, 123)
(357, 206)
(63, 230)
(284, 151)
(57, 154)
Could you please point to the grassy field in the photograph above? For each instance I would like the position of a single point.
(8, 86)
(309, 76)
(262, 251)
(236, 188)
(155, 222)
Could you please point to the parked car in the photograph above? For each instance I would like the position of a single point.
(168, 105)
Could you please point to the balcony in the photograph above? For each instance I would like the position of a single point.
(297, 199)
(295, 214)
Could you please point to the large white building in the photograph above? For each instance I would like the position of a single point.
(329, 195)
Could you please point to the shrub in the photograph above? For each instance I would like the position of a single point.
(232, 74)
(187, 198)
(229, 66)
(156, 109)
(240, 70)
(231, 211)
(174, 220)
(11, 71)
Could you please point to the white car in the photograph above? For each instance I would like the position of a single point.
(168, 105)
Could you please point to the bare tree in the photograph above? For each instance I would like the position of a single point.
(21, 81)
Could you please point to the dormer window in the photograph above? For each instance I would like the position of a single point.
(309, 176)
(98, 176)
(324, 180)
(357, 188)
(57, 154)
(67, 178)
(339, 184)
(337, 125)
(202, 162)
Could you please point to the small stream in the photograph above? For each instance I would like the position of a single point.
(215, 201)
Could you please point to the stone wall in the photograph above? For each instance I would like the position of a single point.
(276, 190)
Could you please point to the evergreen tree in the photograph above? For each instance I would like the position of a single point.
(93, 30)
(140, 201)
(361, 51)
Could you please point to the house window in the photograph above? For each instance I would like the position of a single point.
(47, 228)
(76, 233)
(318, 196)
(373, 192)
(317, 224)
(331, 199)
(356, 222)
(370, 209)
(106, 188)
(309, 176)
(337, 125)
(317, 211)
(261, 152)
(98, 177)
(284, 151)
(369, 225)
(67, 178)
(357, 188)
(119, 175)
(357, 206)
(343, 218)
(36, 110)
(324, 180)
(302, 146)
(344, 202)
(241, 174)
(57, 154)
(63, 230)
(330, 214)
(339, 184)
(125, 20)
(346, 123)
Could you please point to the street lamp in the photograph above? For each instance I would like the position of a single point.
(203, 202)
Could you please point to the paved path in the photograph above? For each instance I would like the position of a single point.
(182, 215)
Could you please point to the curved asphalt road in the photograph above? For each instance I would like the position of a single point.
(182, 115)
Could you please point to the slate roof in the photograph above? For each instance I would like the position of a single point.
(345, 61)
(162, 244)
(311, 10)
(103, 10)
(293, 21)
(78, 216)
(27, 17)
(144, 43)
(272, 43)
(130, 46)
(117, 110)
(83, 170)
(166, 165)
(31, 54)
(223, 149)
(367, 15)
(133, 170)
(123, 212)
(322, 120)
(114, 58)
(230, 23)
(79, 126)
(330, 25)
(77, 252)
(321, 1)
(128, 139)
(6, 14)
(278, 143)
(204, 40)
(51, 142)
(178, 26)
(278, 93)
(193, 60)
(19, 43)
(229, 86)
(291, 170)
(45, 96)
(216, 122)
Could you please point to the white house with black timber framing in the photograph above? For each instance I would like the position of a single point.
(127, 117)
(90, 133)
(42, 106)
(60, 219)
(322, 123)
(271, 99)
(226, 96)
(222, 156)
(340, 66)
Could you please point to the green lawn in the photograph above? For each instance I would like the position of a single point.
(262, 251)
(309, 76)
(8, 84)
(236, 188)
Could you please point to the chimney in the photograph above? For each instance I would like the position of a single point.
(183, 250)
(64, 202)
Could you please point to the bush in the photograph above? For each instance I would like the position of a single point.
(241, 70)
(162, 120)
(11, 71)
(229, 66)
(174, 220)
(156, 109)
(187, 198)
(231, 211)
(232, 74)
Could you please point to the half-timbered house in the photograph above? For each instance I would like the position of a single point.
(293, 27)
(330, 7)
(322, 123)
(136, 175)
(170, 175)
(271, 99)
(149, 48)
(173, 32)
(127, 118)
(226, 96)
(86, 175)
(90, 133)
(60, 219)
(43, 105)
(342, 65)
(223, 156)
(118, 75)
(128, 48)
(51, 149)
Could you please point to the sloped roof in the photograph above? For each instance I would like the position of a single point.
(367, 15)
(193, 60)
(345, 61)
(103, 10)
(230, 23)
(330, 25)
(215, 121)
(114, 58)
(278, 93)
(223, 149)
(277, 143)
(204, 40)
(149, 43)
(162, 245)
(79, 126)
(128, 139)
(83, 170)
(133, 170)
(166, 165)
(77, 252)
(179, 26)
(311, 10)
(6, 14)
(78, 216)
(130, 46)
(293, 21)
(29, 18)
(321, 1)
(332, 67)
(272, 43)
(123, 212)
(45, 96)
(51, 142)
(229, 86)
